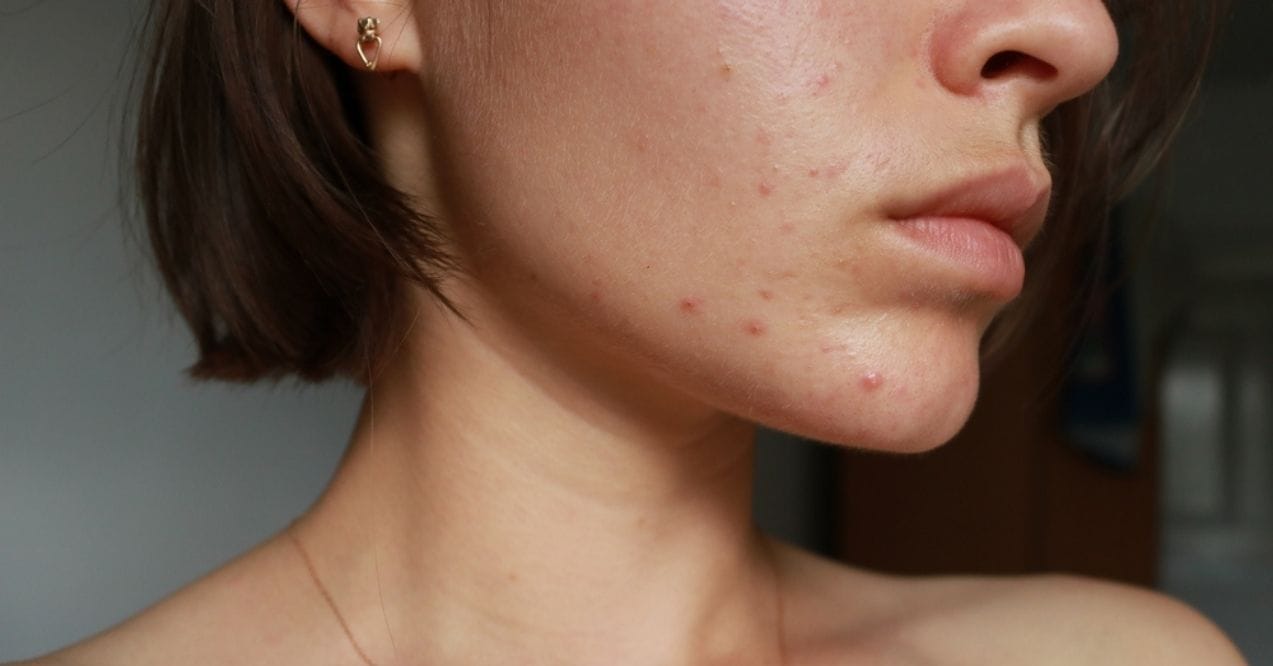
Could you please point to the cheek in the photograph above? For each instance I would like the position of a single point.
(677, 177)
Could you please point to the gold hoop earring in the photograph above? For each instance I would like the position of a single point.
(369, 33)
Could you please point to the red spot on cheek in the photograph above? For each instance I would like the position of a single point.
(754, 327)
(766, 294)
(813, 173)
(822, 83)
(691, 305)
(765, 188)
(872, 381)
(595, 296)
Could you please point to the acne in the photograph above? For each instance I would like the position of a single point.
(872, 381)
(755, 328)
(765, 188)
(764, 138)
(765, 294)
(691, 305)
(821, 84)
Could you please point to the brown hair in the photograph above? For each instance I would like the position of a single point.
(287, 252)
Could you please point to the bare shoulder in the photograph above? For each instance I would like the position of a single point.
(1118, 623)
(1079, 620)
(1052, 619)
(224, 618)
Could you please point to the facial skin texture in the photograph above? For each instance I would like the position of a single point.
(696, 192)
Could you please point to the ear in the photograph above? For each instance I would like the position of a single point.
(334, 25)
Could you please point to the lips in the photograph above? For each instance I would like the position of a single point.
(972, 233)
(1013, 200)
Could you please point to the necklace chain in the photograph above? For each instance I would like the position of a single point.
(331, 603)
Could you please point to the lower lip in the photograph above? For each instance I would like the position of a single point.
(986, 259)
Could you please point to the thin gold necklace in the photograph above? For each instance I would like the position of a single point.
(322, 589)
(309, 566)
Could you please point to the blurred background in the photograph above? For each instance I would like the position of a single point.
(1150, 460)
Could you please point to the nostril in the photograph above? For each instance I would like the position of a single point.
(1009, 63)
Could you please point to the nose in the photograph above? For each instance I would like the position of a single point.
(1040, 52)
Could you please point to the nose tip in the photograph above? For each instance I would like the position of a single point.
(1044, 51)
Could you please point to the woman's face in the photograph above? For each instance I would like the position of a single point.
(790, 210)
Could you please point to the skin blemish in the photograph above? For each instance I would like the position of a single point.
(814, 173)
(872, 381)
(713, 181)
(691, 305)
(754, 327)
(726, 71)
(765, 188)
(787, 228)
(821, 84)
(595, 296)
(766, 294)
(763, 138)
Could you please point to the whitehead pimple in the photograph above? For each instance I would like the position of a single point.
(872, 381)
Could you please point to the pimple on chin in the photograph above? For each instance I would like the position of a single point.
(821, 84)
(872, 381)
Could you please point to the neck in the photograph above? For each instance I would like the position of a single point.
(497, 508)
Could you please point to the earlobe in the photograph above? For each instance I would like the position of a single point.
(380, 36)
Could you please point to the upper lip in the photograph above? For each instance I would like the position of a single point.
(1014, 199)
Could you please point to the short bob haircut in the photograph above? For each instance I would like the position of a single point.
(287, 251)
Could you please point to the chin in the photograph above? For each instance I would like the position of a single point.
(905, 402)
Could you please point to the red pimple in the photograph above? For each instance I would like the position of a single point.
(872, 381)
(766, 294)
(765, 188)
(813, 173)
(595, 296)
(754, 327)
(691, 305)
(822, 83)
